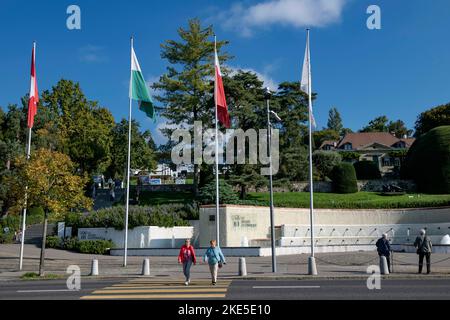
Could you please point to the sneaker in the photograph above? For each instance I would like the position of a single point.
(186, 283)
(214, 283)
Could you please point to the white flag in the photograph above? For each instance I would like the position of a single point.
(305, 85)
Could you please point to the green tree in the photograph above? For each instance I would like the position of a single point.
(430, 119)
(335, 120)
(12, 144)
(344, 178)
(246, 100)
(379, 124)
(321, 136)
(187, 88)
(52, 185)
(70, 123)
(399, 129)
(325, 161)
(142, 153)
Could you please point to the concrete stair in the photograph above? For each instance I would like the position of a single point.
(33, 235)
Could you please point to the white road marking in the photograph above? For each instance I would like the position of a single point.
(43, 291)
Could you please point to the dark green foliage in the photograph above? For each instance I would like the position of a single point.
(84, 246)
(349, 155)
(208, 193)
(325, 161)
(367, 170)
(53, 242)
(169, 215)
(95, 246)
(433, 118)
(344, 178)
(428, 161)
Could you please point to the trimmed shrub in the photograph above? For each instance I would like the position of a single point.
(428, 161)
(344, 178)
(367, 170)
(53, 242)
(325, 161)
(171, 215)
(227, 194)
(95, 246)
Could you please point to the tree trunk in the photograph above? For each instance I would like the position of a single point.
(44, 239)
(196, 179)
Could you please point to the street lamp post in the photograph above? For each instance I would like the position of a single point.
(267, 96)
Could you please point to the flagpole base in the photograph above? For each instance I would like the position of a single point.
(312, 268)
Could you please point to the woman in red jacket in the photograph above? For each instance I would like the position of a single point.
(187, 258)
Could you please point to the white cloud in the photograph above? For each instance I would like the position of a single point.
(296, 13)
(92, 54)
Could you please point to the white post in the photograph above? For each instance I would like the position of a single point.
(24, 216)
(217, 155)
(127, 204)
(312, 270)
(272, 219)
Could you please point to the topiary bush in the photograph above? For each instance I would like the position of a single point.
(95, 246)
(343, 177)
(227, 195)
(367, 170)
(325, 161)
(428, 161)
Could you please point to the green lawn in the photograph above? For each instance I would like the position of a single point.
(361, 200)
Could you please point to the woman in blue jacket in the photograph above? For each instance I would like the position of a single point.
(215, 259)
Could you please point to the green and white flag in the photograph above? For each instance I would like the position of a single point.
(138, 88)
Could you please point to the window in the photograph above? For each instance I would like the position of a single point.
(348, 146)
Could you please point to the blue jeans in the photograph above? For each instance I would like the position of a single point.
(187, 269)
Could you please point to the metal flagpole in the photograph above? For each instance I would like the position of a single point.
(312, 269)
(217, 150)
(272, 219)
(24, 216)
(127, 204)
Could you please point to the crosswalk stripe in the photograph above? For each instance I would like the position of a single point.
(154, 296)
(151, 290)
(165, 287)
(161, 289)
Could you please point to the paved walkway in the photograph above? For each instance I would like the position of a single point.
(332, 265)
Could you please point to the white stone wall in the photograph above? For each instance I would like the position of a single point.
(140, 237)
(237, 222)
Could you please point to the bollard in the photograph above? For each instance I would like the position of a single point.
(242, 267)
(94, 268)
(312, 267)
(146, 267)
(384, 265)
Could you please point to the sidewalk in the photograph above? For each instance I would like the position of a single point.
(330, 265)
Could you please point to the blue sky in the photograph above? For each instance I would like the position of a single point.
(398, 71)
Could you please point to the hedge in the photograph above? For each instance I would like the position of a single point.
(344, 179)
(84, 246)
(367, 170)
(171, 215)
(428, 161)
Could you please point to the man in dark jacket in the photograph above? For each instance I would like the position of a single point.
(424, 248)
(384, 249)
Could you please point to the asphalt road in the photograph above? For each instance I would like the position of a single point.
(127, 289)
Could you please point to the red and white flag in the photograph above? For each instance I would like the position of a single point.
(34, 94)
(219, 94)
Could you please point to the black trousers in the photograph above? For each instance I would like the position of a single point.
(428, 257)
